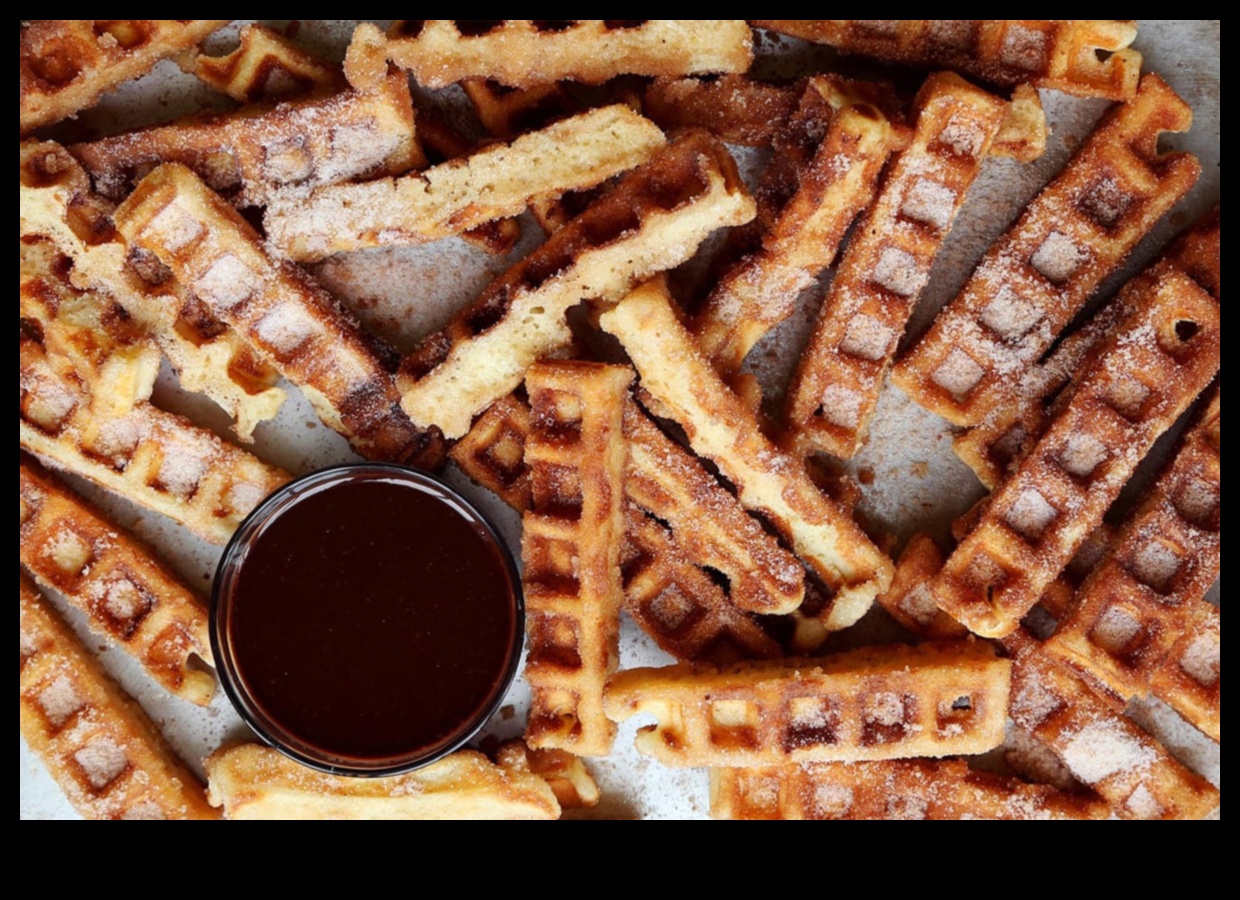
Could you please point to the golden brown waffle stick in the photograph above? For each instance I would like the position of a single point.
(507, 112)
(834, 392)
(1039, 275)
(758, 292)
(1190, 679)
(1145, 377)
(930, 790)
(98, 340)
(525, 53)
(1135, 606)
(102, 749)
(875, 704)
(1085, 57)
(152, 458)
(492, 183)
(126, 593)
(256, 152)
(721, 427)
(736, 108)
(571, 782)
(256, 783)
(66, 65)
(571, 546)
(265, 66)
(57, 202)
(909, 600)
(991, 447)
(652, 221)
(275, 306)
(1102, 749)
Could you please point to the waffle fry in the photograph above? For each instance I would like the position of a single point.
(1037, 277)
(1135, 606)
(102, 749)
(265, 66)
(759, 292)
(571, 782)
(722, 428)
(571, 550)
(1190, 678)
(834, 393)
(292, 323)
(250, 782)
(57, 202)
(992, 447)
(495, 182)
(526, 53)
(735, 108)
(1085, 57)
(1125, 766)
(875, 704)
(257, 152)
(100, 342)
(507, 112)
(66, 65)
(653, 220)
(909, 600)
(929, 790)
(126, 593)
(154, 459)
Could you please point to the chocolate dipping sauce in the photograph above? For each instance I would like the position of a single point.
(368, 619)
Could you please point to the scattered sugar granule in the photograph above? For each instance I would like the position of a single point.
(70, 552)
(243, 497)
(1203, 660)
(919, 605)
(228, 282)
(1116, 630)
(1058, 257)
(899, 273)
(1034, 701)
(183, 466)
(1024, 48)
(1102, 749)
(1128, 395)
(60, 701)
(124, 601)
(1011, 316)
(287, 327)
(1106, 202)
(841, 406)
(879, 26)
(959, 374)
(962, 137)
(671, 608)
(867, 338)
(49, 404)
(27, 646)
(884, 708)
(145, 811)
(954, 33)
(930, 202)
(761, 793)
(907, 809)
(288, 161)
(1156, 565)
(1143, 804)
(1031, 514)
(103, 761)
(1083, 454)
(1197, 501)
(175, 228)
(832, 801)
(118, 438)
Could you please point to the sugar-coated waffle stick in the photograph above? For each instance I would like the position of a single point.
(1190, 677)
(264, 66)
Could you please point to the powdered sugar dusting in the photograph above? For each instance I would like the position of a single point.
(102, 761)
(59, 701)
(1031, 514)
(842, 406)
(930, 202)
(958, 374)
(1156, 564)
(287, 327)
(227, 283)
(1116, 630)
(899, 272)
(1101, 750)
(867, 338)
(1203, 659)
(1058, 258)
(1083, 454)
(1011, 316)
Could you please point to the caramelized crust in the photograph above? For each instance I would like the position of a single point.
(909, 600)
(735, 108)
(265, 66)
(1039, 275)
(1085, 57)
(874, 704)
(102, 749)
(66, 65)
(1189, 678)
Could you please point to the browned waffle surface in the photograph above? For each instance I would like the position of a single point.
(253, 153)
(102, 749)
(275, 306)
(496, 181)
(1190, 677)
(1086, 57)
(909, 600)
(265, 66)
(506, 112)
(154, 459)
(125, 591)
(574, 534)
(653, 220)
(914, 790)
(1143, 598)
(875, 704)
(736, 108)
(523, 53)
(721, 427)
(1145, 377)
(66, 65)
(835, 390)
(1135, 774)
(1039, 275)
(256, 783)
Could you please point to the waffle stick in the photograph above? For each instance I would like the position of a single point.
(1100, 747)
(1189, 678)
(250, 782)
(720, 427)
(1085, 57)
(834, 392)
(1138, 603)
(1146, 376)
(991, 448)
(735, 108)
(126, 593)
(152, 458)
(66, 65)
(836, 183)
(567, 776)
(507, 112)
(652, 221)
(101, 344)
(57, 202)
(264, 67)
(919, 790)
(494, 182)
(100, 747)
(874, 704)
(526, 53)
(574, 533)
(289, 320)
(674, 601)
(1039, 275)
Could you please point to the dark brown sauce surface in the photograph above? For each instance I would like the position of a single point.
(373, 619)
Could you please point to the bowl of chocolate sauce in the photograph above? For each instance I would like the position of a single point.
(367, 620)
